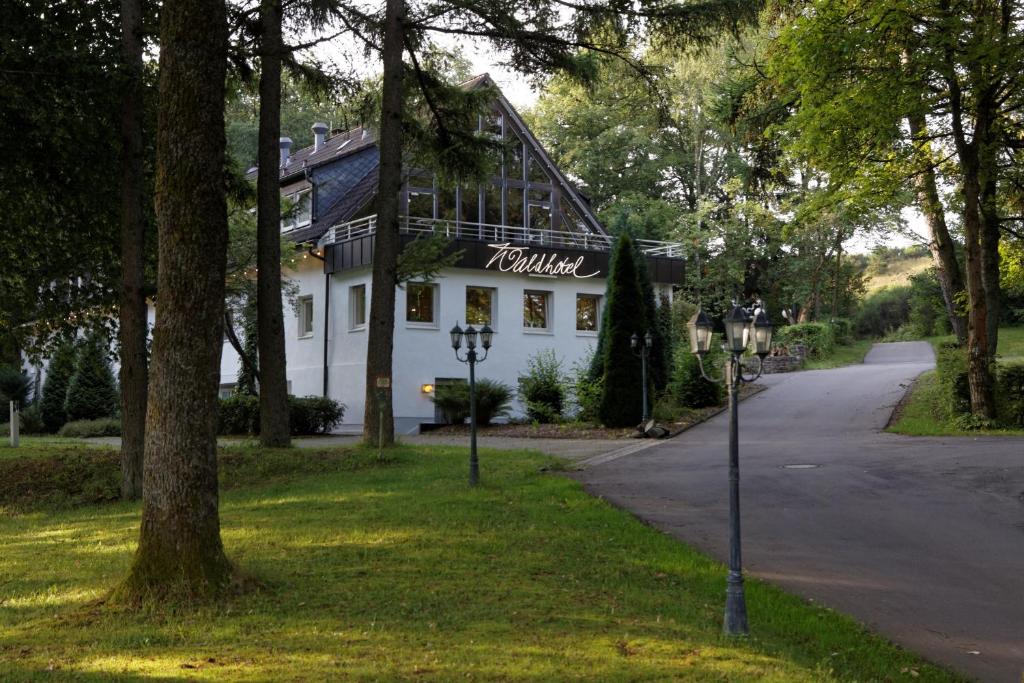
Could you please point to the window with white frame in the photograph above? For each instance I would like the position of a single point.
(300, 214)
(305, 311)
(480, 305)
(421, 304)
(536, 310)
(357, 307)
(588, 310)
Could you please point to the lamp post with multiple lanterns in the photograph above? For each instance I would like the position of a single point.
(486, 333)
(642, 347)
(743, 329)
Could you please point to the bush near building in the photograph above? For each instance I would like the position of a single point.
(688, 387)
(55, 388)
(308, 415)
(542, 389)
(92, 391)
(622, 398)
(493, 399)
(819, 338)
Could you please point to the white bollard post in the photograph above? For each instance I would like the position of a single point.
(15, 424)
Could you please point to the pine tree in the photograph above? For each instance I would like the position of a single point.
(658, 357)
(92, 392)
(622, 398)
(55, 388)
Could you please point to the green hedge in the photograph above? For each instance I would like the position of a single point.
(688, 386)
(1010, 394)
(493, 399)
(84, 429)
(542, 389)
(819, 338)
(240, 414)
(951, 371)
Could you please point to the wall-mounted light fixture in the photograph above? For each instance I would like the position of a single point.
(427, 388)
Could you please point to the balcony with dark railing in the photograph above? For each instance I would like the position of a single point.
(496, 234)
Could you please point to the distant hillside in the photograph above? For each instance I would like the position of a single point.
(896, 273)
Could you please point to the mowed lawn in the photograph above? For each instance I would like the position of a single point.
(398, 571)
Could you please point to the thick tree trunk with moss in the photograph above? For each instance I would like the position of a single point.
(274, 428)
(947, 268)
(990, 237)
(380, 347)
(180, 554)
(979, 371)
(132, 330)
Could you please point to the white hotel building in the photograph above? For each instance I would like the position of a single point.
(542, 290)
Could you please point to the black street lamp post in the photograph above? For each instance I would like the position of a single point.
(743, 328)
(486, 333)
(641, 347)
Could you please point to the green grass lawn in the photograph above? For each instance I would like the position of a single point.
(842, 355)
(398, 571)
(922, 414)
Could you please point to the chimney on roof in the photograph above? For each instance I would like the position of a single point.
(286, 148)
(319, 135)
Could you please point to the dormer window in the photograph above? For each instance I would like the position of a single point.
(301, 212)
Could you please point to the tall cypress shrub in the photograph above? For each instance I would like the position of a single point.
(92, 392)
(55, 386)
(658, 360)
(622, 397)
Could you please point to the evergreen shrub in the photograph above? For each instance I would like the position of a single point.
(1010, 394)
(92, 391)
(951, 372)
(842, 330)
(882, 311)
(586, 392)
(622, 395)
(542, 389)
(927, 315)
(15, 385)
(85, 429)
(493, 399)
(55, 387)
(817, 337)
(688, 386)
(307, 415)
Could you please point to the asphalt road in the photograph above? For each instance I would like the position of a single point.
(921, 539)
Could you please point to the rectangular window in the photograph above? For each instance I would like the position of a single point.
(537, 173)
(420, 303)
(514, 159)
(492, 205)
(536, 310)
(514, 207)
(298, 210)
(357, 307)
(480, 306)
(540, 217)
(421, 204)
(305, 304)
(470, 197)
(587, 311)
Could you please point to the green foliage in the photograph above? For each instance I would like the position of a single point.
(55, 387)
(314, 414)
(92, 391)
(927, 316)
(425, 257)
(31, 420)
(85, 429)
(622, 398)
(882, 311)
(1010, 394)
(308, 415)
(842, 330)
(586, 391)
(819, 338)
(1011, 279)
(688, 386)
(15, 385)
(951, 371)
(542, 388)
(493, 399)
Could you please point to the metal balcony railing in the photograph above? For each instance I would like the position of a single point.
(485, 232)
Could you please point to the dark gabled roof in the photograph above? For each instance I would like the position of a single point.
(344, 146)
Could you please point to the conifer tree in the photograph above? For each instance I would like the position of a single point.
(55, 387)
(92, 392)
(622, 397)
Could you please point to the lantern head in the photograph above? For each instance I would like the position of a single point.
(456, 335)
(761, 334)
(737, 330)
(485, 336)
(701, 330)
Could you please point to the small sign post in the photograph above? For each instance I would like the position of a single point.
(15, 425)
(383, 386)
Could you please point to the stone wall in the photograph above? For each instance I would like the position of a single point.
(785, 359)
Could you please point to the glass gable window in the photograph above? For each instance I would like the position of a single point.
(514, 207)
(537, 174)
(300, 213)
(587, 311)
(420, 303)
(357, 307)
(536, 310)
(421, 204)
(480, 306)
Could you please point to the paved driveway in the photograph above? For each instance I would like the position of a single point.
(922, 539)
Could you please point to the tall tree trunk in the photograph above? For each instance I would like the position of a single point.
(378, 419)
(947, 268)
(990, 241)
(180, 554)
(274, 428)
(132, 330)
(979, 374)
